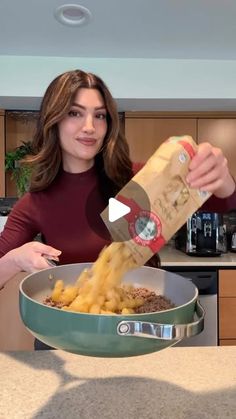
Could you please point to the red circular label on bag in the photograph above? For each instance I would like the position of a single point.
(145, 228)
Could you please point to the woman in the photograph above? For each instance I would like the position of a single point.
(80, 160)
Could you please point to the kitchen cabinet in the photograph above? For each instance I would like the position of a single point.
(228, 342)
(146, 131)
(13, 334)
(220, 133)
(2, 153)
(227, 307)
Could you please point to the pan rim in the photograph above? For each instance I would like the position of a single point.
(120, 317)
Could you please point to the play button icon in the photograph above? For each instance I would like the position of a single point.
(117, 209)
(117, 218)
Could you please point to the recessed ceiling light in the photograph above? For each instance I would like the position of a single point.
(72, 15)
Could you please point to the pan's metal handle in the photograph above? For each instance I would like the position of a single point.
(51, 262)
(163, 331)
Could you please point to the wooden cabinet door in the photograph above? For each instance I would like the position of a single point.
(144, 135)
(227, 306)
(220, 133)
(227, 318)
(227, 283)
(13, 334)
(227, 342)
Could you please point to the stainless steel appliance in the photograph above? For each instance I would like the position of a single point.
(207, 284)
(5, 208)
(204, 234)
(233, 242)
(230, 223)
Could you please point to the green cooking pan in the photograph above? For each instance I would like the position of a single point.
(111, 335)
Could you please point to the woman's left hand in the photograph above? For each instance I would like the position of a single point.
(208, 171)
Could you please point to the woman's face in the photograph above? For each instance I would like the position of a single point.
(82, 130)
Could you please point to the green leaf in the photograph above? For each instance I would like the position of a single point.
(20, 173)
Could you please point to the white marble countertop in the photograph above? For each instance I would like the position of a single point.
(175, 383)
(172, 257)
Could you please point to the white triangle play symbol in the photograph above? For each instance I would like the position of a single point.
(116, 210)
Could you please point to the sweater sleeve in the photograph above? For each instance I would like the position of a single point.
(221, 205)
(213, 204)
(22, 225)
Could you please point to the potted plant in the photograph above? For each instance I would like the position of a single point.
(20, 172)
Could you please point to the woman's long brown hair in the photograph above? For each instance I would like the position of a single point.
(113, 163)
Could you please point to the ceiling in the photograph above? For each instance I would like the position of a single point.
(180, 29)
(159, 29)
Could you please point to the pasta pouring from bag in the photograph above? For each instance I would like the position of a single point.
(172, 201)
(98, 290)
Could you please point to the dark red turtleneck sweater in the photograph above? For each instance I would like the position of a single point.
(67, 214)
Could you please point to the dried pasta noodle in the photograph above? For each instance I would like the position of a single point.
(98, 290)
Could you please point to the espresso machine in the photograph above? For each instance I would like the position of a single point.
(203, 234)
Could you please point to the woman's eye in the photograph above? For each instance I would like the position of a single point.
(101, 116)
(74, 113)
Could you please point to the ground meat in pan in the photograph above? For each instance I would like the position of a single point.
(49, 302)
(152, 301)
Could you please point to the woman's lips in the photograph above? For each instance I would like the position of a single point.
(87, 141)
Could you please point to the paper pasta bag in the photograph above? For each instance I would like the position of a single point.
(159, 198)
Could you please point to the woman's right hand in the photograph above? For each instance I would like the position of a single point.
(31, 257)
